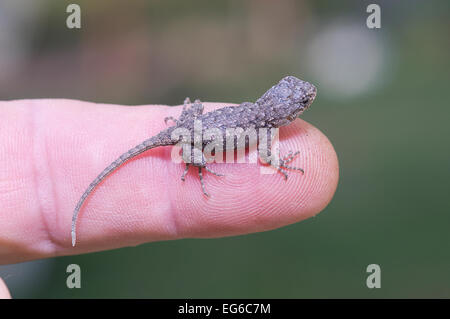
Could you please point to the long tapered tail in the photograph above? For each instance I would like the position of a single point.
(144, 146)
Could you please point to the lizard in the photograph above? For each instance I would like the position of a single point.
(277, 107)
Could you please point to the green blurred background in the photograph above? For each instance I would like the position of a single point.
(383, 101)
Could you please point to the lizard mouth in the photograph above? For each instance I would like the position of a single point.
(295, 115)
(311, 95)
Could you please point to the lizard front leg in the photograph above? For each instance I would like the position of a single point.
(200, 175)
(282, 164)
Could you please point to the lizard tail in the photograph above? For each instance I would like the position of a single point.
(144, 146)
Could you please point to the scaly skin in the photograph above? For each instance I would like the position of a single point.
(279, 106)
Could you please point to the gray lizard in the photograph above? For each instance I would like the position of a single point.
(279, 106)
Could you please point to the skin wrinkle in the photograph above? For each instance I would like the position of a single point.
(174, 220)
(150, 162)
(153, 164)
(34, 169)
(172, 226)
(52, 190)
(40, 148)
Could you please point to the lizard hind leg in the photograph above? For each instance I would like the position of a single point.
(191, 110)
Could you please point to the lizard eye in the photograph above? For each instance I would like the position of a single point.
(285, 92)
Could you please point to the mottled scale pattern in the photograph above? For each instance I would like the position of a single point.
(279, 106)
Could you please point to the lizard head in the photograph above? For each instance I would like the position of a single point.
(287, 100)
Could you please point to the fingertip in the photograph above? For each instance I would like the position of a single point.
(253, 198)
(321, 168)
(309, 191)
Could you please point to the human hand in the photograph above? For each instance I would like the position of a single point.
(50, 150)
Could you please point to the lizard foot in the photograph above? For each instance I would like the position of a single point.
(282, 166)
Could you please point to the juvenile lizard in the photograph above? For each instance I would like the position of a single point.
(279, 106)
